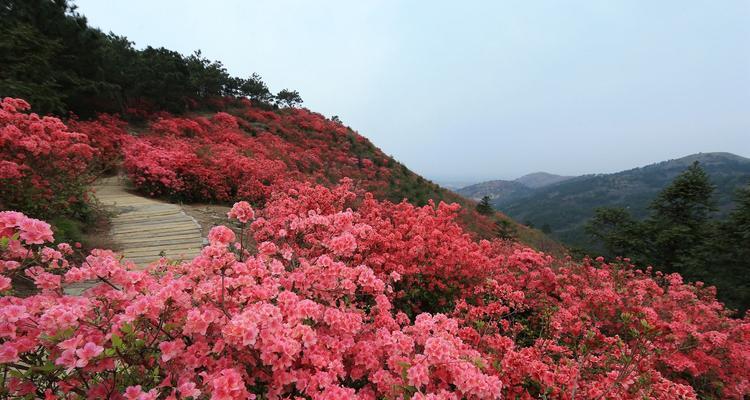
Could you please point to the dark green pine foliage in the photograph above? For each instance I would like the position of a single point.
(54, 60)
(730, 253)
(680, 226)
(485, 206)
(616, 230)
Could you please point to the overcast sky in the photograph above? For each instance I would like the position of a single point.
(470, 90)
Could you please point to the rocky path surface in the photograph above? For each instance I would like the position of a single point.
(144, 229)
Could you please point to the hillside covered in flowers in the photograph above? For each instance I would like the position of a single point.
(340, 275)
(329, 290)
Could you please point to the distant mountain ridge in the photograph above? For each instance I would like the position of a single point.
(537, 180)
(566, 205)
(502, 191)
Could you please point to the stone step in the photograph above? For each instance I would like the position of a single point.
(143, 228)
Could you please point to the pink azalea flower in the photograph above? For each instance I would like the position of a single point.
(242, 211)
(220, 235)
(8, 353)
(86, 353)
(34, 231)
(228, 385)
(170, 350)
(5, 283)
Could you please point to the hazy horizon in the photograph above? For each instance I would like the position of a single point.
(486, 90)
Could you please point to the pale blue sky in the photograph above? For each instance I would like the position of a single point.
(473, 90)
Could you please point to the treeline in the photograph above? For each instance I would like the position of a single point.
(51, 57)
(682, 235)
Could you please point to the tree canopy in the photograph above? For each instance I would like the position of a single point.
(52, 58)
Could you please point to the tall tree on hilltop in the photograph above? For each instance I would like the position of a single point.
(255, 89)
(288, 98)
(680, 222)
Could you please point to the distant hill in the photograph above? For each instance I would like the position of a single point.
(499, 191)
(566, 206)
(502, 191)
(541, 179)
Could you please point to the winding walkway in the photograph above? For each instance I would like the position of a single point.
(144, 229)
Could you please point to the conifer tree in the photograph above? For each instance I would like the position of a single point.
(678, 229)
(731, 254)
(485, 207)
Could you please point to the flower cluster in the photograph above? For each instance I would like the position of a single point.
(231, 327)
(43, 165)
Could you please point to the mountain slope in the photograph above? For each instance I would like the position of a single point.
(537, 180)
(502, 191)
(499, 191)
(566, 206)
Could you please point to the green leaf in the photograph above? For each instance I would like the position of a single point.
(117, 342)
(49, 366)
(126, 328)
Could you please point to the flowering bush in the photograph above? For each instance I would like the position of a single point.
(308, 302)
(43, 165)
(106, 134)
(228, 325)
(550, 327)
(249, 155)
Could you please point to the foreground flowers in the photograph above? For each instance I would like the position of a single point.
(226, 325)
(307, 317)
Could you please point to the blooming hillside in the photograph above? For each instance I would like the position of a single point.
(323, 289)
(246, 153)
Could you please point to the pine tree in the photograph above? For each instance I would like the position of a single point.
(617, 232)
(680, 223)
(731, 254)
(485, 207)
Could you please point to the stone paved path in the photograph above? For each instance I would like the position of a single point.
(144, 229)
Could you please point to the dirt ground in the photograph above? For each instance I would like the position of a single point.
(208, 215)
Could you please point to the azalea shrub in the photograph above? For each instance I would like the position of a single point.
(227, 325)
(312, 298)
(44, 167)
(107, 134)
(617, 329)
(204, 160)
(246, 156)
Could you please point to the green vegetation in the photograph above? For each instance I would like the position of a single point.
(504, 229)
(484, 207)
(59, 64)
(681, 236)
(566, 206)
